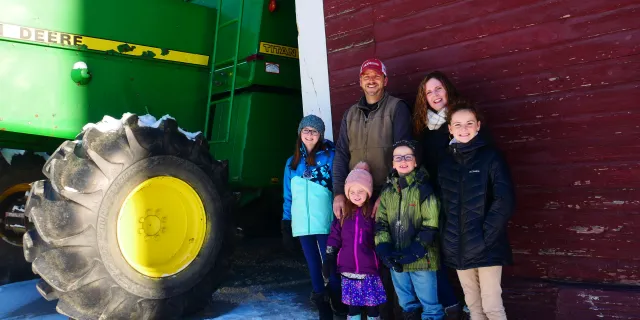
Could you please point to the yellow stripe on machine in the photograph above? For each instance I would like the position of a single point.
(278, 50)
(49, 37)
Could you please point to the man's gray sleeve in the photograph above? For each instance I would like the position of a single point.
(342, 158)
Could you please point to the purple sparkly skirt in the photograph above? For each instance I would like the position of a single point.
(367, 292)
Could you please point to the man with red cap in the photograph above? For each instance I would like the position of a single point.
(368, 131)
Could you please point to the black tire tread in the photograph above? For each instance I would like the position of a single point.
(47, 291)
(86, 302)
(63, 246)
(49, 211)
(121, 306)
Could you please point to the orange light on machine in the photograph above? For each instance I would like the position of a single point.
(273, 6)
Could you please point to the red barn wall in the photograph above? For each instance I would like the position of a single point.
(558, 82)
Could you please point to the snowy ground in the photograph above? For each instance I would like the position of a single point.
(264, 284)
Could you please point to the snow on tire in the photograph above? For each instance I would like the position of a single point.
(80, 220)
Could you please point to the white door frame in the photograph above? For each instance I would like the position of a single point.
(314, 68)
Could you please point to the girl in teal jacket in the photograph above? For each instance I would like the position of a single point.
(308, 211)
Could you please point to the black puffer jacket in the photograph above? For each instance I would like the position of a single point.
(478, 200)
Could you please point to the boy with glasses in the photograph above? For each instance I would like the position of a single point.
(407, 232)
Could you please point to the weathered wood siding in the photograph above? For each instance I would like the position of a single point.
(559, 84)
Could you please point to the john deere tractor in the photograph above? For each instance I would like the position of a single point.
(136, 137)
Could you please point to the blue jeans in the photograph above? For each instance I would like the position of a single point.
(418, 289)
(315, 251)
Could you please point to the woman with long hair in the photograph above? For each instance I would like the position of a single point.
(436, 95)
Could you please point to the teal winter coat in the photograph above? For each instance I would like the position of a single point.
(308, 198)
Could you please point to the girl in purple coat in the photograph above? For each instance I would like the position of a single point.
(351, 248)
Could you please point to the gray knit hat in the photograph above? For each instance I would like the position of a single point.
(312, 121)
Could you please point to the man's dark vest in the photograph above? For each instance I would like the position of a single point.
(371, 137)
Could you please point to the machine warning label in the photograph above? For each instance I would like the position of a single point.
(278, 50)
(80, 42)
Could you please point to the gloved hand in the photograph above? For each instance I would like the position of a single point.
(417, 249)
(384, 250)
(412, 253)
(385, 253)
(330, 264)
(407, 259)
(428, 236)
(287, 235)
(392, 264)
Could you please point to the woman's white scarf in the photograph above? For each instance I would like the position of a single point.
(436, 120)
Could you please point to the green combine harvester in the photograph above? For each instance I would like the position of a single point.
(135, 137)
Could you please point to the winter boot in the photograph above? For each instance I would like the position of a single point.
(339, 308)
(412, 315)
(321, 301)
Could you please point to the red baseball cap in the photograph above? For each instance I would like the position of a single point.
(373, 64)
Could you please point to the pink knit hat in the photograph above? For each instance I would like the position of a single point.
(359, 176)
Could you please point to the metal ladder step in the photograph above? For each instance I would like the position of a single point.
(228, 23)
(215, 66)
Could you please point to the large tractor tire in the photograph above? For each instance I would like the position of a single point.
(132, 223)
(15, 179)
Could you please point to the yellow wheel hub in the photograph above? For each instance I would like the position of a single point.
(23, 187)
(161, 226)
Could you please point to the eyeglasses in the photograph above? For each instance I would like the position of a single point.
(311, 132)
(406, 157)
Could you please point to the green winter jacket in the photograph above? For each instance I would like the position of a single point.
(408, 206)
